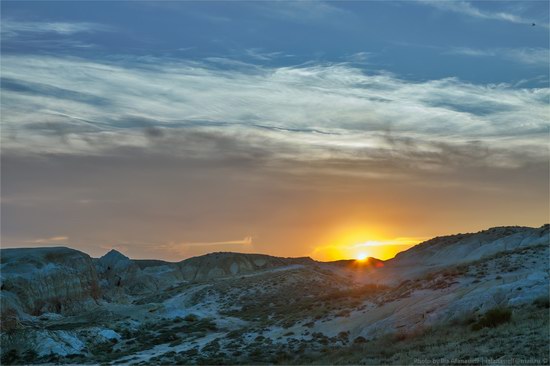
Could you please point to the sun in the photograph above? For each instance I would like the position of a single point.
(362, 256)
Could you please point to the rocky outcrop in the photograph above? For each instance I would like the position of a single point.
(38, 280)
(457, 249)
(473, 246)
(223, 264)
(59, 280)
(122, 277)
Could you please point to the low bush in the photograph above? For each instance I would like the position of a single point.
(542, 302)
(30, 356)
(10, 357)
(465, 318)
(102, 348)
(191, 318)
(493, 318)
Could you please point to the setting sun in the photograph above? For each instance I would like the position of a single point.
(361, 256)
(356, 241)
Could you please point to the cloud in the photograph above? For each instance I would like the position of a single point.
(55, 37)
(529, 56)
(246, 241)
(54, 239)
(13, 28)
(466, 8)
(312, 112)
(303, 11)
(396, 241)
(44, 90)
(260, 55)
(360, 57)
(185, 249)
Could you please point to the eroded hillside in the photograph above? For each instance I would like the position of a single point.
(463, 296)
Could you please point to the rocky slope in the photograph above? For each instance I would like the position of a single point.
(441, 252)
(59, 305)
(39, 280)
(63, 280)
(216, 265)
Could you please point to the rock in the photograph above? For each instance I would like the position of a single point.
(224, 264)
(109, 334)
(38, 280)
(59, 343)
(114, 260)
(452, 250)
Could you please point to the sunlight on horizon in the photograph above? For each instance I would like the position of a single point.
(362, 256)
(360, 243)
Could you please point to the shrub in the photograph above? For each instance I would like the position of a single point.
(190, 352)
(29, 356)
(493, 318)
(234, 334)
(102, 348)
(256, 353)
(126, 333)
(465, 318)
(212, 347)
(359, 340)
(344, 336)
(191, 318)
(542, 302)
(10, 357)
(400, 336)
(176, 342)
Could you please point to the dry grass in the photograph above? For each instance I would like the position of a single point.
(524, 337)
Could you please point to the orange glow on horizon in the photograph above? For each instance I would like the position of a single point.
(360, 243)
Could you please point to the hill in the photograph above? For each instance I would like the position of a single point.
(482, 294)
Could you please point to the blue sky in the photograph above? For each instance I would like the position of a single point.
(413, 118)
(484, 41)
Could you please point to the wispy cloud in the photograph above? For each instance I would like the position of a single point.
(302, 11)
(186, 249)
(13, 28)
(529, 56)
(317, 111)
(181, 249)
(466, 8)
(246, 241)
(54, 239)
(360, 57)
(260, 55)
(396, 241)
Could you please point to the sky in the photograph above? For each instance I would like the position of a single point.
(170, 129)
